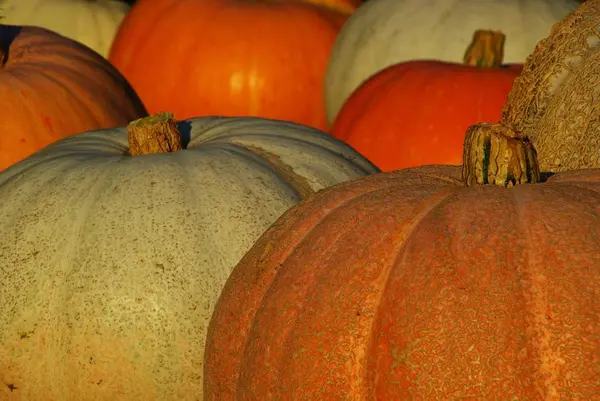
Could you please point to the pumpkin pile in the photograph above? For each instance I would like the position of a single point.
(416, 113)
(410, 285)
(200, 212)
(382, 33)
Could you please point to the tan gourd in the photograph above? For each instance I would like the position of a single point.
(552, 110)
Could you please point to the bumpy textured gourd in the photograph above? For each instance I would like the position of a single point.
(551, 110)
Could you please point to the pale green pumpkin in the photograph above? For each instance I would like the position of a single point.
(111, 264)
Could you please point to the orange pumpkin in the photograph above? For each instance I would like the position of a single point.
(411, 285)
(229, 57)
(416, 113)
(408, 285)
(52, 87)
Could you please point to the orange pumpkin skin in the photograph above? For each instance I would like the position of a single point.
(408, 285)
(416, 113)
(238, 58)
(52, 87)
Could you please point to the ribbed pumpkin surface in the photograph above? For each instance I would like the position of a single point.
(407, 285)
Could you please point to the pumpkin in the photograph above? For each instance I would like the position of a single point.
(411, 285)
(93, 23)
(416, 112)
(111, 263)
(238, 58)
(52, 87)
(407, 285)
(386, 32)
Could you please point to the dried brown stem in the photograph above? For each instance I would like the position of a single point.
(486, 49)
(494, 155)
(154, 134)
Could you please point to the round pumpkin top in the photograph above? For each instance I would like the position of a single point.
(275, 69)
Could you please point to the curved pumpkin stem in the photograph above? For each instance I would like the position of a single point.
(486, 49)
(493, 154)
(157, 133)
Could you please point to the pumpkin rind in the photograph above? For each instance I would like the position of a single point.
(386, 32)
(52, 87)
(111, 264)
(407, 285)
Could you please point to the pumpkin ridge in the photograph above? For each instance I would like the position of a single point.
(283, 258)
(263, 279)
(307, 288)
(42, 330)
(434, 202)
(535, 294)
(86, 104)
(299, 183)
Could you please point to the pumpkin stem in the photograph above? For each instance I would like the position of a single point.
(486, 49)
(494, 154)
(157, 133)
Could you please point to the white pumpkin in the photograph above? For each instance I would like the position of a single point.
(385, 32)
(93, 23)
(111, 264)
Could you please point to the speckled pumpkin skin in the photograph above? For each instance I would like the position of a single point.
(111, 265)
(409, 286)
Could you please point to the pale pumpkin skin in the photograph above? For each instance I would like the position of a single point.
(93, 23)
(386, 32)
(111, 264)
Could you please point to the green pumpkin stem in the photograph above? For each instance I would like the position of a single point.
(157, 133)
(494, 154)
(486, 49)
